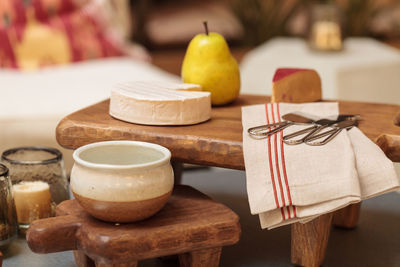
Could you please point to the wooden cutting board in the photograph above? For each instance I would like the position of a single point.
(217, 142)
(189, 221)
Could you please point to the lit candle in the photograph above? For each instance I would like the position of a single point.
(32, 201)
(327, 35)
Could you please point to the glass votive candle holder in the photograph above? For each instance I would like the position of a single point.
(38, 180)
(8, 218)
(326, 33)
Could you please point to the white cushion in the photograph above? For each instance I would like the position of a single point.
(32, 103)
(366, 70)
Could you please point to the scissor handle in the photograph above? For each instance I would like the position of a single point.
(331, 134)
(288, 139)
(265, 130)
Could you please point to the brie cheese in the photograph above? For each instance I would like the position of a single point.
(160, 103)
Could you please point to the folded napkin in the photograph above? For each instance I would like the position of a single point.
(287, 184)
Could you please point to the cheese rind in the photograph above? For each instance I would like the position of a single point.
(296, 86)
(154, 103)
(282, 73)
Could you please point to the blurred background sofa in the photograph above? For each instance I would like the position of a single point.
(58, 57)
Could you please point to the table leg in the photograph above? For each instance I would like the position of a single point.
(1, 259)
(82, 260)
(309, 241)
(201, 258)
(177, 166)
(348, 216)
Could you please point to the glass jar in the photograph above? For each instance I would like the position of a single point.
(39, 182)
(325, 31)
(8, 218)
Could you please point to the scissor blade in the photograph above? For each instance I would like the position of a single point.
(346, 124)
(293, 117)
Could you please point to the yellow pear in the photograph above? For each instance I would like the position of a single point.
(209, 63)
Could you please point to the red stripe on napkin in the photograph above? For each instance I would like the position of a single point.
(270, 165)
(277, 163)
(284, 165)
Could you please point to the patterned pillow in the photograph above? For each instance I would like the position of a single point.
(37, 33)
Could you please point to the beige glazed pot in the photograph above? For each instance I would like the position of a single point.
(122, 181)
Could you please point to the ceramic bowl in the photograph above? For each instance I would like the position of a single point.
(122, 181)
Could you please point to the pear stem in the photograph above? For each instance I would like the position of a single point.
(205, 26)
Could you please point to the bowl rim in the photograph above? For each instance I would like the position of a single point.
(3, 170)
(57, 155)
(165, 151)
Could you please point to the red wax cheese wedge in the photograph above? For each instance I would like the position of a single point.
(296, 85)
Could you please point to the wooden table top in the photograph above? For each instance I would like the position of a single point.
(217, 142)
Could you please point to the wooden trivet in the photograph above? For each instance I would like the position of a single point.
(190, 225)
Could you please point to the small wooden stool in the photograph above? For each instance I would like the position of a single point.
(190, 225)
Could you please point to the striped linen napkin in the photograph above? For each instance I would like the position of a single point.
(287, 184)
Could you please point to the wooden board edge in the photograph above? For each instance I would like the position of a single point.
(390, 145)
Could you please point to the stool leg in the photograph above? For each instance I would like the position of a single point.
(309, 241)
(178, 169)
(82, 260)
(201, 258)
(348, 216)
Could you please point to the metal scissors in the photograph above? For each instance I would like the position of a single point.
(264, 131)
(318, 126)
